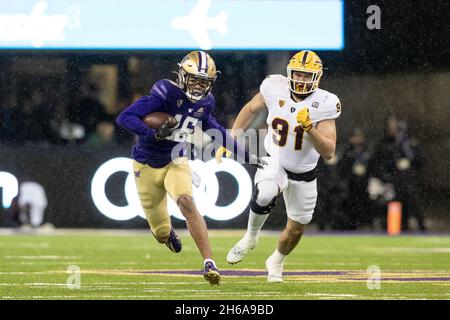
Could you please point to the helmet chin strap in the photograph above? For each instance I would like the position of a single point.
(301, 96)
(191, 97)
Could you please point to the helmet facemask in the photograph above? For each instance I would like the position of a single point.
(305, 82)
(195, 86)
(196, 75)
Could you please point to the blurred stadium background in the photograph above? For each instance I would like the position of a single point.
(61, 88)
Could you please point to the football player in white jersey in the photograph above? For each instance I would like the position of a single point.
(301, 120)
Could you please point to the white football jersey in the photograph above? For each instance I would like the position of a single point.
(286, 141)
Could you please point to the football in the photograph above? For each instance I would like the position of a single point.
(156, 119)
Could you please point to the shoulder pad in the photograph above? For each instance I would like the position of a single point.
(331, 106)
(161, 89)
(272, 82)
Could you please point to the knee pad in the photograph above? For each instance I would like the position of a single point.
(258, 209)
(161, 233)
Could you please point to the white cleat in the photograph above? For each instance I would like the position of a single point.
(274, 270)
(240, 249)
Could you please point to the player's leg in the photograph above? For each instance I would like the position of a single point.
(289, 239)
(300, 198)
(152, 194)
(262, 202)
(36, 216)
(178, 183)
(199, 232)
(269, 182)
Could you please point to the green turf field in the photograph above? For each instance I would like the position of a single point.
(134, 266)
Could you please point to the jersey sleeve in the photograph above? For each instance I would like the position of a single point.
(160, 89)
(270, 89)
(264, 87)
(332, 110)
(131, 118)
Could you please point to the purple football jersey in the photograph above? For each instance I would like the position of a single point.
(166, 96)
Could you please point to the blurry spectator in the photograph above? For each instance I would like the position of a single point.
(59, 123)
(328, 212)
(28, 207)
(71, 133)
(9, 120)
(104, 136)
(353, 171)
(398, 160)
(32, 203)
(123, 137)
(11, 216)
(136, 95)
(88, 111)
(35, 120)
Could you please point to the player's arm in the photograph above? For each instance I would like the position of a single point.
(242, 122)
(131, 118)
(323, 137)
(228, 144)
(247, 114)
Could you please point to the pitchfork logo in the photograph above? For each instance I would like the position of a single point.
(205, 190)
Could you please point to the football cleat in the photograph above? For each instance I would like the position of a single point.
(174, 242)
(210, 273)
(274, 270)
(240, 249)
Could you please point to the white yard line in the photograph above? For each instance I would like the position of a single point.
(41, 257)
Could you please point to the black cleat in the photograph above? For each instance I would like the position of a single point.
(174, 242)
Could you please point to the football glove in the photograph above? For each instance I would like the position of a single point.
(221, 152)
(304, 119)
(166, 129)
